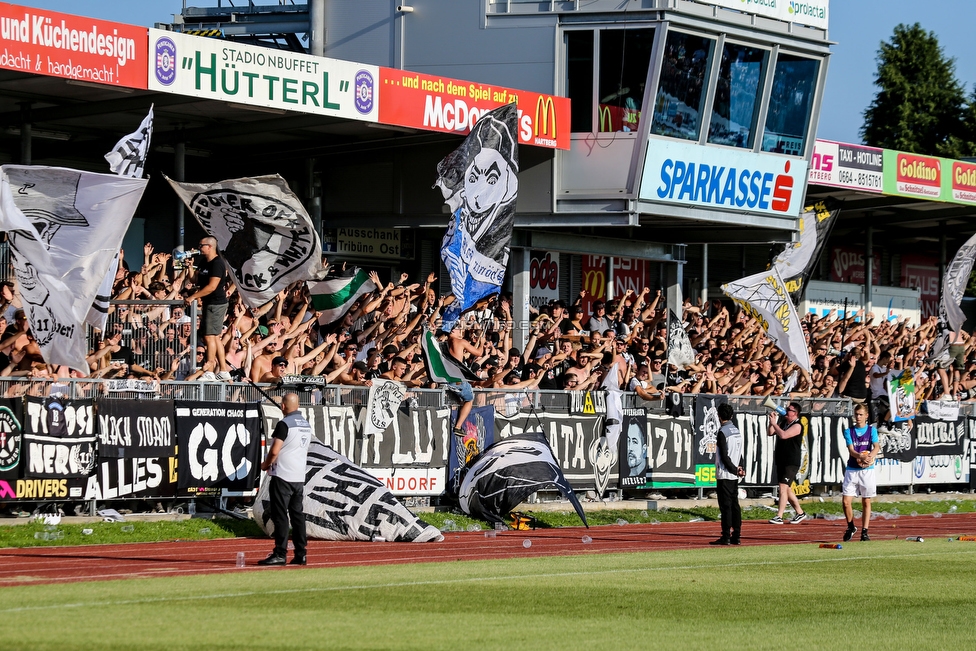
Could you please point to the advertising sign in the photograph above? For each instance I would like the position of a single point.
(259, 76)
(964, 181)
(922, 273)
(73, 47)
(853, 167)
(435, 103)
(928, 177)
(543, 278)
(815, 13)
(847, 266)
(709, 177)
(372, 242)
(628, 273)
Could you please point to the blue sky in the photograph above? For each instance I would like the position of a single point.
(857, 26)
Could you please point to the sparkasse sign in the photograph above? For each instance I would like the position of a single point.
(72, 47)
(434, 103)
(713, 177)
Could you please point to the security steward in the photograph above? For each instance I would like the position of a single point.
(285, 464)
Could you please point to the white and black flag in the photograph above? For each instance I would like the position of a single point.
(954, 283)
(218, 444)
(344, 502)
(385, 397)
(479, 181)
(263, 232)
(797, 261)
(59, 436)
(128, 156)
(64, 226)
(680, 351)
(505, 474)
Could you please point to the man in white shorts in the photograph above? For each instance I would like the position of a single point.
(859, 479)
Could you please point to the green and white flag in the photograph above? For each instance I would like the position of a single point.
(441, 366)
(332, 298)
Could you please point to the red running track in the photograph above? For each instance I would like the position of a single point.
(38, 565)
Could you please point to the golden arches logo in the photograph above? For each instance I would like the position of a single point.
(545, 109)
(606, 119)
(595, 283)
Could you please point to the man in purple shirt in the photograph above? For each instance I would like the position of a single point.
(859, 479)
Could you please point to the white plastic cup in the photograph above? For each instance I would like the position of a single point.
(291, 546)
(526, 543)
(205, 531)
(491, 534)
(87, 532)
(500, 526)
(379, 539)
(240, 559)
(587, 540)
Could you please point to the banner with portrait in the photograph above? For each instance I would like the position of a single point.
(633, 448)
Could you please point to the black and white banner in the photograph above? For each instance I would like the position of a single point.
(587, 403)
(11, 445)
(345, 502)
(937, 437)
(954, 283)
(59, 437)
(132, 477)
(505, 474)
(633, 448)
(706, 428)
(128, 156)
(385, 397)
(898, 441)
(135, 428)
(409, 457)
(479, 181)
(670, 451)
(576, 442)
(219, 445)
(64, 227)
(262, 230)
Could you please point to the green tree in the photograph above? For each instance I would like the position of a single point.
(920, 104)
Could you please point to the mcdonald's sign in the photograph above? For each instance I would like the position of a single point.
(606, 118)
(545, 119)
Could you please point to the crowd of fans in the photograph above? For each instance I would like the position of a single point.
(567, 348)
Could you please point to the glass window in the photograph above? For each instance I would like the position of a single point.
(624, 57)
(736, 97)
(790, 103)
(684, 75)
(579, 86)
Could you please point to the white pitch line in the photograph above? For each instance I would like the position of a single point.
(477, 579)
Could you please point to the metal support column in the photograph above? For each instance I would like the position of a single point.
(942, 254)
(316, 19)
(609, 279)
(179, 173)
(519, 262)
(869, 272)
(673, 280)
(704, 287)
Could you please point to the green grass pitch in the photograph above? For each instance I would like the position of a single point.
(880, 595)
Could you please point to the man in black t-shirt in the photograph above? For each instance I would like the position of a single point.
(789, 444)
(212, 279)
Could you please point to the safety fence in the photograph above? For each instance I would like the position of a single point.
(102, 441)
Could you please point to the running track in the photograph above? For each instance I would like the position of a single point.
(40, 565)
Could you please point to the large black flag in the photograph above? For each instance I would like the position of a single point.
(505, 474)
(479, 181)
(219, 445)
(796, 262)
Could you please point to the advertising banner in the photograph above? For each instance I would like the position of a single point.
(847, 266)
(707, 425)
(853, 167)
(434, 103)
(259, 76)
(815, 13)
(59, 438)
(938, 437)
(219, 445)
(709, 177)
(922, 273)
(543, 278)
(72, 47)
(628, 273)
(132, 478)
(929, 177)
